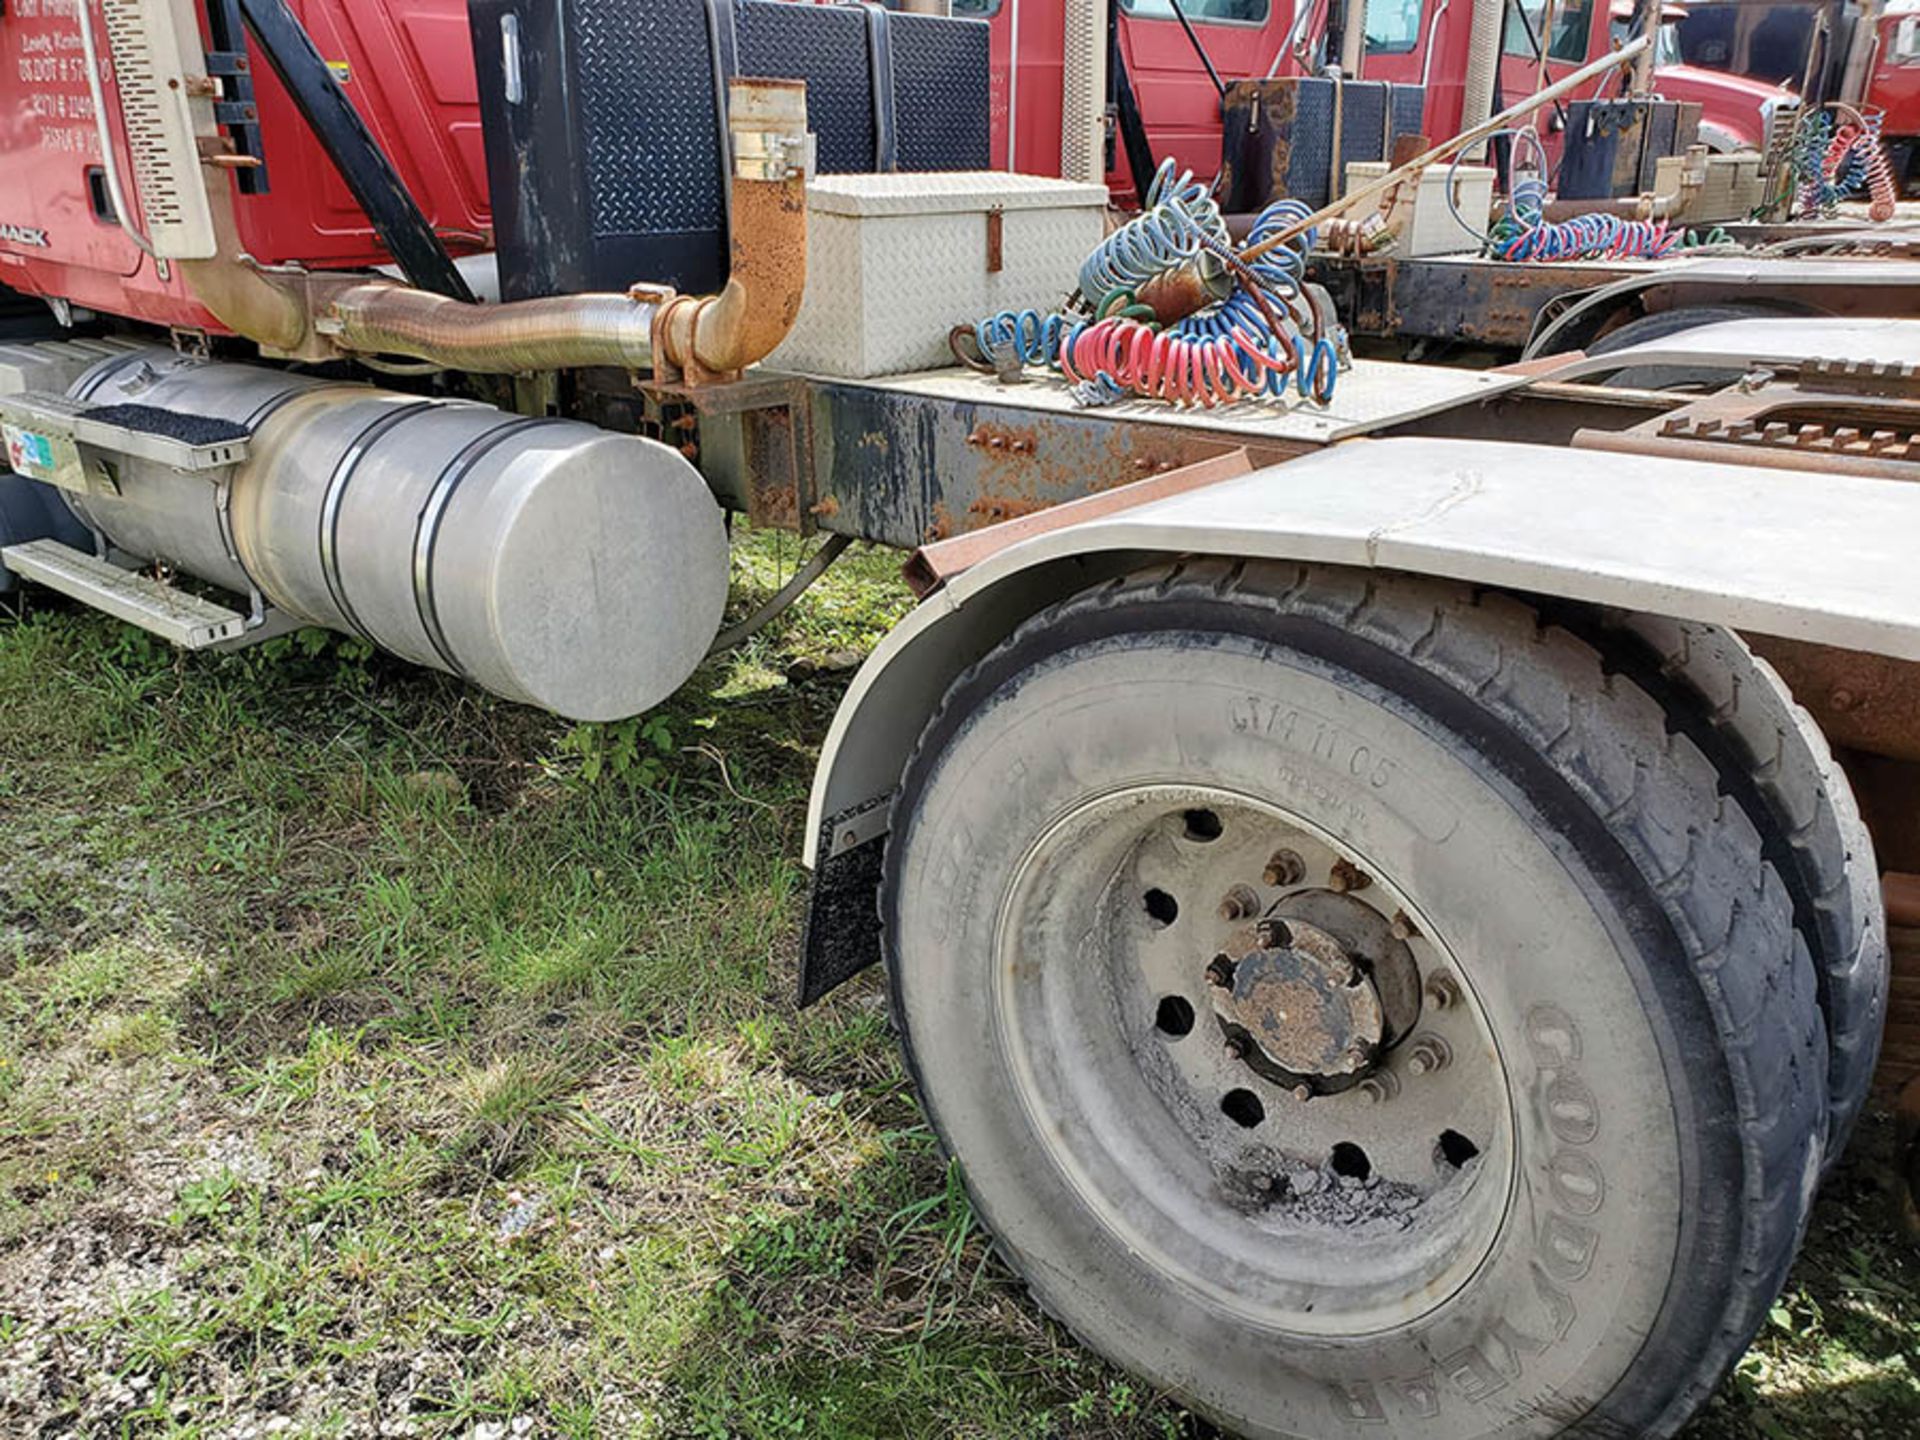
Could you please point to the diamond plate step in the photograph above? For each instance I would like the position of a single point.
(186, 620)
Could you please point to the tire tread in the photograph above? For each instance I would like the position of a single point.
(1659, 795)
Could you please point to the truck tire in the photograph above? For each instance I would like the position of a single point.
(1354, 1009)
(1774, 760)
(1663, 323)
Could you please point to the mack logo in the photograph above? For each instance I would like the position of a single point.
(23, 234)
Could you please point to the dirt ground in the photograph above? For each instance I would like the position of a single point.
(377, 1059)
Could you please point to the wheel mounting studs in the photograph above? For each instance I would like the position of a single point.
(1402, 928)
(1428, 1055)
(1235, 1048)
(1284, 868)
(1273, 935)
(1239, 903)
(1346, 876)
(1220, 972)
(1380, 1088)
(1302, 1093)
(1443, 991)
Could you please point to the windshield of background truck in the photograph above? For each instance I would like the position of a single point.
(1765, 42)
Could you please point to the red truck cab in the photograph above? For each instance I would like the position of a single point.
(1893, 79)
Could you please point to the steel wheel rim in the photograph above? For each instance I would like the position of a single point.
(1250, 1210)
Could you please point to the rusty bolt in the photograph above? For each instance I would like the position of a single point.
(1302, 1093)
(1359, 1051)
(1273, 935)
(1378, 1089)
(1143, 464)
(1347, 876)
(1843, 699)
(996, 442)
(1284, 867)
(1235, 1048)
(1443, 991)
(976, 437)
(1239, 903)
(1402, 927)
(1220, 973)
(1429, 1055)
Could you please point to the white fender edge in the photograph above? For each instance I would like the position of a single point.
(1826, 558)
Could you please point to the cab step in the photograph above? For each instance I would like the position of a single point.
(187, 620)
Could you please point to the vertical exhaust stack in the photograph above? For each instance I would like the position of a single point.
(1083, 111)
(1483, 68)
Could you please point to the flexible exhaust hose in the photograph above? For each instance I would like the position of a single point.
(704, 335)
(564, 332)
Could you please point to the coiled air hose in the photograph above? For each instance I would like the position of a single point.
(1835, 158)
(1262, 334)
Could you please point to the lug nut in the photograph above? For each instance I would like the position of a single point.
(1273, 935)
(1302, 1093)
(1443, 991)
(1235, 1048)
(1428, 1055)
(1346, 876)
(1239, 903)
(1402, 927)
(1220, 973)
(1284, 867)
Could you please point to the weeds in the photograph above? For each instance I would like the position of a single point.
(376, 1054)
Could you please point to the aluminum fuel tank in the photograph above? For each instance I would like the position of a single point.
(551, 562)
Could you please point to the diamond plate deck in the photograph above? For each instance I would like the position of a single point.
(1371, 396)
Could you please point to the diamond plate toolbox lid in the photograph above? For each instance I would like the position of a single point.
(895, 261)
(947, 192)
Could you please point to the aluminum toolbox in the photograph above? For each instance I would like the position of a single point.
(895, 261)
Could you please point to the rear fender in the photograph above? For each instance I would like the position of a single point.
(1824, 558)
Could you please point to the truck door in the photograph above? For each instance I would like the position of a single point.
(1178, 102)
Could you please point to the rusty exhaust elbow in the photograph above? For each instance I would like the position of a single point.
(720, 335)
(270, 308)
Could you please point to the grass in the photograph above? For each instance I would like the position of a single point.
(377, 1058)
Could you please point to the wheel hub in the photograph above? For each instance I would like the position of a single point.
(1297, 1008)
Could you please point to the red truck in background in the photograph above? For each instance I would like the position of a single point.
(61, 239)
(1866, 54)
(1406, 42)
(1735, 109)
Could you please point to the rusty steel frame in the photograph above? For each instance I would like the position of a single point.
(908, 470)
(1502, 305)
(1487, 303)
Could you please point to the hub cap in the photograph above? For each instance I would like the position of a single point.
(1298, 1009)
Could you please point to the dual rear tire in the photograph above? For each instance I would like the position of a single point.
(1574, 1106)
